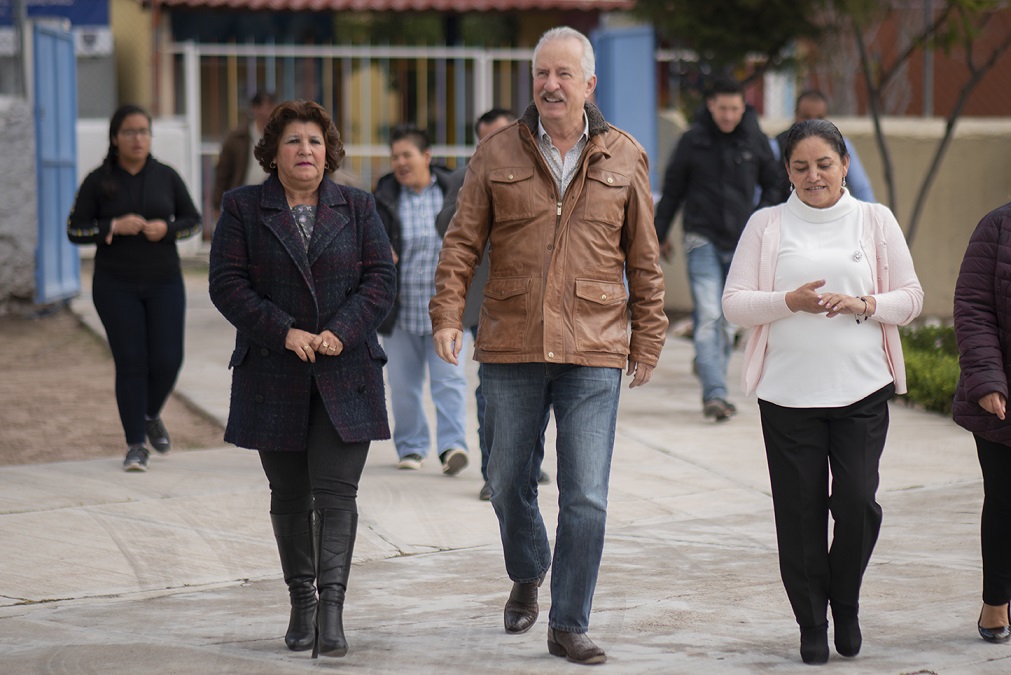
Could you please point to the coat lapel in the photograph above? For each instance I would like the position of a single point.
(330, 220)
(278, 219)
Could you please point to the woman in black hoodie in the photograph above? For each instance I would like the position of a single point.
(134, 209)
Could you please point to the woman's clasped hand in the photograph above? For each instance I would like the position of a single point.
(306, 345)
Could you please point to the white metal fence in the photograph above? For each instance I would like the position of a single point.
(367, 90)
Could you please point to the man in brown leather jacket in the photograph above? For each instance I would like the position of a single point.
(563, 200)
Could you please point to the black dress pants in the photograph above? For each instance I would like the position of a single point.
(995, 531)
(325, 476)
(802, 446)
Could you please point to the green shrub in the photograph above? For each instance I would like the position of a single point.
(929, 339)
(931, 366)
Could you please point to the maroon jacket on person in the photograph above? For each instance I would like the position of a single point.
(983, 325)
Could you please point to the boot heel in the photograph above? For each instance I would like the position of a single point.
(556, 649)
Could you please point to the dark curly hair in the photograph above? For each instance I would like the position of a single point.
(265, 151)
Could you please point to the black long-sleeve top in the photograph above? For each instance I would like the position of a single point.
(156, 192)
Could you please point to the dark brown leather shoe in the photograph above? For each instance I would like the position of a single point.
(576, 647)
(521, 608)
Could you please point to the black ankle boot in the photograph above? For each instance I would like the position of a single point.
(335, 542)
(847, 630)
(814, 644)
(293, 534)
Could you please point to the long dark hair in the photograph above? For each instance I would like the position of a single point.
(109, 186)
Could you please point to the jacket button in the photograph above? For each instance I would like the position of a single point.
(510, 176)
(264, 351)
(361, 388)
(258, 398)
(348, 291)
(603, 297)
(610, 180)
(551, 355)
(550, 247)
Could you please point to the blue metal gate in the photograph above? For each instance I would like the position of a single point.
(57, 263)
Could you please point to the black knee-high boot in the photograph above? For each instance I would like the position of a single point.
(294, 542)
(335, 542)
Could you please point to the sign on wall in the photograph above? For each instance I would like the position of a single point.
(79, 12)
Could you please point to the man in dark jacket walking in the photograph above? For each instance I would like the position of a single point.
(714, 172)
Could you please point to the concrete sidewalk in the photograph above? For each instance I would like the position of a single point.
(175, 570)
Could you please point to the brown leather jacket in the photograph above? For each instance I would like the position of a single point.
(556, 292)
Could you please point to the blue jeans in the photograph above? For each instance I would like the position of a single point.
(408, 357)
(713, 334)
(481, 405)
(585, 401)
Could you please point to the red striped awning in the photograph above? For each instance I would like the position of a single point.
(401, 5)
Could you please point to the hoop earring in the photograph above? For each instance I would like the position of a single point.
(273, 164)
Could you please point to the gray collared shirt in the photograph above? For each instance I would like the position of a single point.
(563, 168)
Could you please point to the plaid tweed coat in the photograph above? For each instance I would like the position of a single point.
(264, 281)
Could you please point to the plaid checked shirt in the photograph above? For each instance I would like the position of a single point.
(420, 246)
(564, 168)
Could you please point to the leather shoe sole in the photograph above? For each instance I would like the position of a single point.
(575, 647)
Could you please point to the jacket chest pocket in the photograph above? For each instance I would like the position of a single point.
(606, 194)
(512, 192)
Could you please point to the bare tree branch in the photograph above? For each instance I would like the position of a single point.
(976, 74)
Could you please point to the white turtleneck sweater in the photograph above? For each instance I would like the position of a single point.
(812, 361)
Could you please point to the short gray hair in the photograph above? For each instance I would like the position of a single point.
(589, 62)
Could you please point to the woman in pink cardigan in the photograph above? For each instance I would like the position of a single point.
(825, 280)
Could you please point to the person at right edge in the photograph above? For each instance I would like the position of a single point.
(562, 198)
(713, 172)
(983, 332)
(825, 280)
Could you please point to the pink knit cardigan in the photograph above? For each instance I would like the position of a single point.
(748, 298)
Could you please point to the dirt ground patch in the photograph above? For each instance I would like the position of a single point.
(57, 398)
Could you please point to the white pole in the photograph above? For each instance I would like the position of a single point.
(191, 70)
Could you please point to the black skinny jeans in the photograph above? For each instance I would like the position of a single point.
(325, 476)
(144, 323)
(995, 530)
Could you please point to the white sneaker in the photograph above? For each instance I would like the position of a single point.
(411, 462)
(454, 461)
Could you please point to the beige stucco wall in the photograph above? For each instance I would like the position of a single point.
(132, 35)
(975, 178)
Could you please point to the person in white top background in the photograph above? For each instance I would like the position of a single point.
(825, 280)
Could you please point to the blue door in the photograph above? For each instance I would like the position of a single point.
(57, 264)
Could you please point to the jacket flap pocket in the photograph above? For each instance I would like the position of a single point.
(511, 175)
(500, 289)
(600, 292)
(609, 178)
(238, 356)
(376, 350)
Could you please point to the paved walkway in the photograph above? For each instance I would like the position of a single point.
(175, 570)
